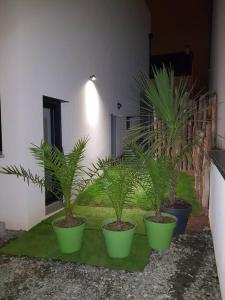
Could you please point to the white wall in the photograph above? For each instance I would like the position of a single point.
(51, 47)
(217, 65)
(217, 222)
(217, 183)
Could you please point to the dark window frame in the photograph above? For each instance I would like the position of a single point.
(56, 139)
(55, 110)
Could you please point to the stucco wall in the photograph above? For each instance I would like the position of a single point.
(217, 222)
(217, 65)
(217, 183)
(51, 47)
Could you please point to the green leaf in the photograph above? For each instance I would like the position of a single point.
(63, 173)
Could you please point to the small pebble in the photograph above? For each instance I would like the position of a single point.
(186, 271)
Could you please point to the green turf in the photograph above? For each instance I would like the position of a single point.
(185, 190)
(96, 215)
(40, 241)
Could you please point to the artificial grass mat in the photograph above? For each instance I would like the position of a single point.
(40, 241)
(185, 190)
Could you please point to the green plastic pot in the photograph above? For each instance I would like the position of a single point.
(118, 243)
(69, 239)
(160, 235)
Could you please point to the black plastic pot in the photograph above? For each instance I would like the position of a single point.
(182, 215)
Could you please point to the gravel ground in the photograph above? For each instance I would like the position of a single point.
(186, 271)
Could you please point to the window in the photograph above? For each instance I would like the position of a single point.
(53, 136)
(180, 61)
(52, 121)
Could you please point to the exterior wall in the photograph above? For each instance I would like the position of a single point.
(51, 47)
(217, 66)
(217, 222)
(217, 183)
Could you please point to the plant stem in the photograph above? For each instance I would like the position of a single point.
(69, 218)
(119, 224)
(173, 192)
(69, 213)
(157, 213)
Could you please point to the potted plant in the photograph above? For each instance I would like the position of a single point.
(63, 178)
(116, 182)
(171, 103)
(154, 177)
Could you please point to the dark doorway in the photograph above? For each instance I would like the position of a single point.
(52, 132)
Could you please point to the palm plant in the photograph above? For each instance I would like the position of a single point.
(63, 173)
(116, 182)
(153, 175)
(173, 106)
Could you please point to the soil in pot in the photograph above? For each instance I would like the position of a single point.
(75, 221)
(159, 231)
(118, 241)
(181, 210)
(160, 219)
(179, 203)
(69, 238)
(119, 226)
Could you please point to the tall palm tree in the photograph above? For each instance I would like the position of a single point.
(173, 105)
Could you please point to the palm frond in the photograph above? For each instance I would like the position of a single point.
(153, 174)
(25, 174)
(172, 105)
(116, 182)
(63, 173)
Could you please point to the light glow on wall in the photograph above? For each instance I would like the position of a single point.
(92, 103)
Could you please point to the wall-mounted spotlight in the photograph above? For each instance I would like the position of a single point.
(119, 105)
(92, 78)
